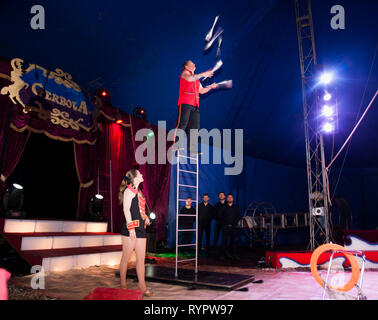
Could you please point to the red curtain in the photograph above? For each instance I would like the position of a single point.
(115, 158)
(12, 147)
(86, 169)
(156, 180)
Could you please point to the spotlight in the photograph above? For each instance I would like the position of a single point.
(119, 118)
(152, 216)
(326, 78)
(13, 201)
(148, 135)
(327, 111)
(102, 94)
(99, 196)
(140, 113)
(17, 186)
(96, 208)
(328, 127)
(327, 96)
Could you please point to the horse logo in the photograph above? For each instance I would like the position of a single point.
(18, 84)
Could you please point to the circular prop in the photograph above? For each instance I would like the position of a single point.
(352, 260)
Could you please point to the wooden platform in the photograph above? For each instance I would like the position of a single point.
(187, 277)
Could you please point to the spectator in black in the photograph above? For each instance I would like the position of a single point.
(186, 237)
(205, 215)
(230, 217)
(218, 217)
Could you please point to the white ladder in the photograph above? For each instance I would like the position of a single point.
(178, 200)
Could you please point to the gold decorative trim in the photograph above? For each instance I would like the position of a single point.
(86, 185)
(3, 178)
(132, 133)
(46, 114)
(27, 127)
(126, 125)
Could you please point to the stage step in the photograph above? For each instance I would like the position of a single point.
(71, 258)
(35, 225)
(44, 241)
(62, 245)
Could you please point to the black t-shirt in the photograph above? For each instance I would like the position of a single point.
(205, 213)
(218, 211)
(230, 214)
(187, 221)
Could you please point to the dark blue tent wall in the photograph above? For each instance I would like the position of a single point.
(359, 187)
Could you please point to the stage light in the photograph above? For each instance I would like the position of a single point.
(327, 111)
(140, 112)
(149, 135)
(17, 186)
(13, 201)
(326, 78)
(96, 208)
(328, 127)
(152, 216)
(327, 96)
(102, 94)
(118, 118)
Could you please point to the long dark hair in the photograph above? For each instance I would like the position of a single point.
(127, 180)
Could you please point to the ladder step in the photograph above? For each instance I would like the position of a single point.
(187, 215)
(186, 260)
(187, 171)
(186, 230)
(181, 156)
(187, 245)
(184, 200)
(186, 185)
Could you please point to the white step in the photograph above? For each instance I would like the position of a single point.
(60, 242)
(27, 226)
(83, 261)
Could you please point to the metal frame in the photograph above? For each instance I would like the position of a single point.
(110, 191)
(315, 160)
(178, 200)
(360, 295)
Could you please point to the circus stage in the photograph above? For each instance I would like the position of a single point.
(80, 257)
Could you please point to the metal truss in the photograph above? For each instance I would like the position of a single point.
(315, 160)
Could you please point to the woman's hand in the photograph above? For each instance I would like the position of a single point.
(147, 221)
(214, 86)
(132, 234)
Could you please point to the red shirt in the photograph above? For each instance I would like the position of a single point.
(189, 91)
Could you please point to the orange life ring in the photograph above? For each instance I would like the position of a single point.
(352, 260)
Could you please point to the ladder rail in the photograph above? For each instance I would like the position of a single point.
(178, 200)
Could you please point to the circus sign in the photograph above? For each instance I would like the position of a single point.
(53, 95)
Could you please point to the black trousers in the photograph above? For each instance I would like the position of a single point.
(217, 232)
(188, 118)
(201, 229)
(185, 237)
(229, 237)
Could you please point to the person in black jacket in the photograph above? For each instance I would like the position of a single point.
(218, 217)
(230, 217)
(186, 237)
(205, 215)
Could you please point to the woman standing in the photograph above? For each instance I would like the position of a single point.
(133, 231)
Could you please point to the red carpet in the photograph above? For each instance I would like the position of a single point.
(114, 294)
